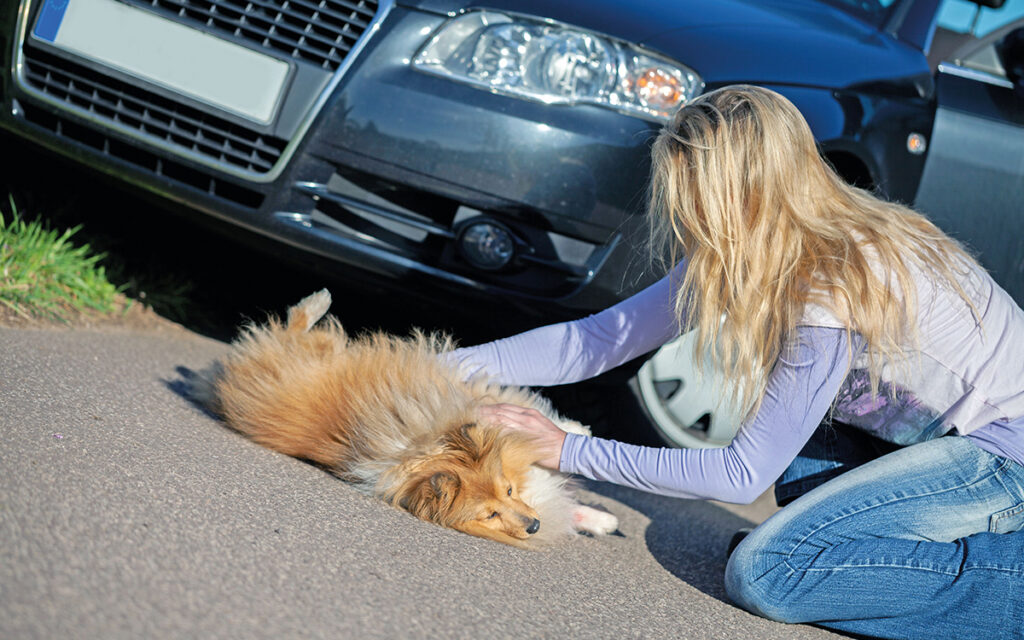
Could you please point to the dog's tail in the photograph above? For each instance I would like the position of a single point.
(308, 311)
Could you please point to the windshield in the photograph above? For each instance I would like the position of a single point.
(874, 12)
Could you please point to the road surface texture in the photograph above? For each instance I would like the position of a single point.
(126, 512)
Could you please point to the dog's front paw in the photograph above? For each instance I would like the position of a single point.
(594, 521)
(572, 426)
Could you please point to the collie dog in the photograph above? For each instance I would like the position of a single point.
(394, 417)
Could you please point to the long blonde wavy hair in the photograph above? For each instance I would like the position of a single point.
(739, 190)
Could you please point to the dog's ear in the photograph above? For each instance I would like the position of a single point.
(445, 486)
(431, 496)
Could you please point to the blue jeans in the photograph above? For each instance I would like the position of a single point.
(923, 542)
(834, 449)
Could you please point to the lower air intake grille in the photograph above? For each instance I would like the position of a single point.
(139, 157)
(150, 114)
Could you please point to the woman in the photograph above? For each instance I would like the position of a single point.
(829, 306)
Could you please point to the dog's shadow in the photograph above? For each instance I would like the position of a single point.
(184, 386)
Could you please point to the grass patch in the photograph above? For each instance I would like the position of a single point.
(44, 275)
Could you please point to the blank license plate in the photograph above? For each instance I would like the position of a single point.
(169, 54)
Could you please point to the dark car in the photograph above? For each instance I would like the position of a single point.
(492, 152)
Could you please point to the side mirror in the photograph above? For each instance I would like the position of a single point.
(1011, 55)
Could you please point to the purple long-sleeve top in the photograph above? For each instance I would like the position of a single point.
(801, 389)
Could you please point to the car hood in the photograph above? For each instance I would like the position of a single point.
(803, 42)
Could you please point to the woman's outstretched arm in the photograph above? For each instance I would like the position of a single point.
(798, 396)
(573, 351)
(800, 391)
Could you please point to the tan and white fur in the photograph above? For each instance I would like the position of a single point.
(395, 417)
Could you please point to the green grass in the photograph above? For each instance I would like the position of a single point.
(43, 274)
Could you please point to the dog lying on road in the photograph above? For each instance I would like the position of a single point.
(395, 418)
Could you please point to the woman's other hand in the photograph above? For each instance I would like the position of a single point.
(533, 423)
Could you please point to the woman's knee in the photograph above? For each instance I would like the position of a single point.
(768, 573)
(757, 579)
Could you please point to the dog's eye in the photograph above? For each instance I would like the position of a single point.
(510, 491)
(493, 515)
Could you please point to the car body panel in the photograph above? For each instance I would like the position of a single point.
(839, 59)
(977, 146)
(647, 18)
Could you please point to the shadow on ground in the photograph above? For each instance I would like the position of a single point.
(688, 538)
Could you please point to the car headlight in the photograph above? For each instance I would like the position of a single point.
(556, 64)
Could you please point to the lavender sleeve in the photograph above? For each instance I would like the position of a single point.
(799, 392)
(581, 349)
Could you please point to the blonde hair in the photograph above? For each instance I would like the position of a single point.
(766, 226)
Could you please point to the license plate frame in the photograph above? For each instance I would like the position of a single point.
(173, 56)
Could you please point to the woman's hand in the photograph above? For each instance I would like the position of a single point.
(533, 423)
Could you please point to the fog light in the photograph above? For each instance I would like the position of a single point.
(487, 245)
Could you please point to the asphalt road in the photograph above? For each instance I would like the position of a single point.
(126, 512)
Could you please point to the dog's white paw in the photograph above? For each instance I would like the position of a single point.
(594, 521)
(571, 426)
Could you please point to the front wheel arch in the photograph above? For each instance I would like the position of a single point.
(851, 169)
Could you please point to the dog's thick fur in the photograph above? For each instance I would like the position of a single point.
(397, 419)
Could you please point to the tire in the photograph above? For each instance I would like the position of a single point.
(684, 408)
(657, 400)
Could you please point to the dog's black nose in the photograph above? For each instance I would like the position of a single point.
(534, 526)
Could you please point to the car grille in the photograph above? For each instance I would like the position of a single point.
(150, 114)
(317, 31)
